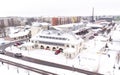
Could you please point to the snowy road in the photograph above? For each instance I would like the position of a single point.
(38, 61)
(24, 66)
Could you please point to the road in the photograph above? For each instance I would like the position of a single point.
(38, 61)
(4, 46)
(27, 67)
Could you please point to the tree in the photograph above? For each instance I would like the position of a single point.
(106, 46)
(110, 39)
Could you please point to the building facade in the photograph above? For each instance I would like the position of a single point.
(54, 40)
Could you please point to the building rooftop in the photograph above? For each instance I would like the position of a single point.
(38, 24)
(57, 36)
(19, 33)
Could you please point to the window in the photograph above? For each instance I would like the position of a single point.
(60, 38)
(64, 38)
(67, 45)
(50, 37)
(80, 43)
(32, 46)
(47, 37)
(32, 41)
(35, 41)
(36, 45)
(42, 47)
(53, 37)
(73, 46)
(47, 48)
(54, 49)
(69, 55)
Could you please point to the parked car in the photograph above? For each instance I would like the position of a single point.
(95, 34)
(91, 37)
(2, 43)
(18, 55)
(57, 52)
(18, 43)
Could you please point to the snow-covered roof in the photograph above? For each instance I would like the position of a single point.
(57, 36)
(27, 26)
(114, 46)
(13, 29)
(94, 25)
(27, 44)
(69, 25)
(94, 46)
(69, 50)
(37, 24)
(80, 29)
(18, 34)
(2, 41)
(104, 23)
(118, 27)
(115, 35)
(101, 38)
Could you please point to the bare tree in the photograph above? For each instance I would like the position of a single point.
(3, 30)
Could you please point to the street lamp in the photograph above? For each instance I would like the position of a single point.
(8, 66)
(79, 59)
(73, 68)
(2, 63)
(28, 72)
(17, 70)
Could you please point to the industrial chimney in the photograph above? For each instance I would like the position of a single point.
(92, 15)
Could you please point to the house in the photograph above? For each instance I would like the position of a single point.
(16, 33)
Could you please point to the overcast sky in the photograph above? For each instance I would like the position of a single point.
(58, 7)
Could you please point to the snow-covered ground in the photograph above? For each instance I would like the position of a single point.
(43, 67)
(89, 59)
(97, 62)
(6, 69)
(2, 41)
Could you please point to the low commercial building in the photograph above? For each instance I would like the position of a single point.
(18, 34)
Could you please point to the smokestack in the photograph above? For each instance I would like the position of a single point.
(92, 15)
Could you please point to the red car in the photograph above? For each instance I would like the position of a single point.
(91, 37)
(57, 52)
(95, 34)
(17, 43)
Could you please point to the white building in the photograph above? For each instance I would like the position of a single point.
(53, 40)
(16, 33)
